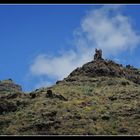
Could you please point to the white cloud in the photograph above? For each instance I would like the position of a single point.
(57, 67)
(106, 28)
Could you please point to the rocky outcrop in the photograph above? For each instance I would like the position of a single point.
(100, 67)
(98, 54)
(50, 94)
(9, 85)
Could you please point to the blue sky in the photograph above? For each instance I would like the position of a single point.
(42, 43)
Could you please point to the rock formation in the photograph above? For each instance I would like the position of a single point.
(50, 94)
(98, 54)
(101, 67)
(9, 85)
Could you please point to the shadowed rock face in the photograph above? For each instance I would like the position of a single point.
(50, 94)
(6, 106)
(98, 54)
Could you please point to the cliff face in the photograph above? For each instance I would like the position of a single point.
(99, 98)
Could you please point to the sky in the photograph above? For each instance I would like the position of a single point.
(40, 44)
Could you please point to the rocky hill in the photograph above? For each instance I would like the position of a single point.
(99, 98)
(9, 86)
(108, 68)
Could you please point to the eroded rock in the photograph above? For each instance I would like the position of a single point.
(50, 94)
(98, 54)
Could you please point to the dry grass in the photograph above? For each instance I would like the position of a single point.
(105, 106)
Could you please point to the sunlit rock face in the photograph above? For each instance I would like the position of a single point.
(9, 85)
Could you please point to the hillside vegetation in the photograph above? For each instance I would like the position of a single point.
(99, 98)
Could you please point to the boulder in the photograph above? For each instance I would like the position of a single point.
(49, 93)
(32, 95)
(59, 96)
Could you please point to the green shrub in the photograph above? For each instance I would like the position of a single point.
(124, 83)
(88, 91)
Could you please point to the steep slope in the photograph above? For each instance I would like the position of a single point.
(100, 98)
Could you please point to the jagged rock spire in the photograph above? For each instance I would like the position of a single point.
(98, 54)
